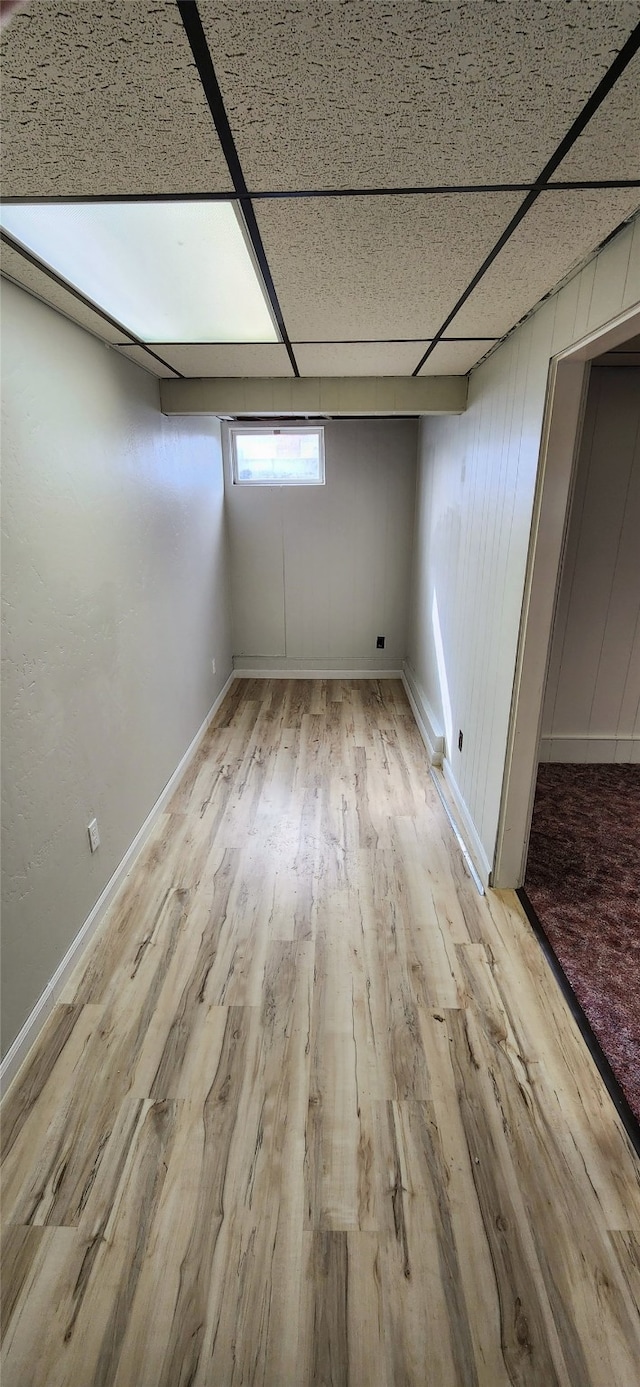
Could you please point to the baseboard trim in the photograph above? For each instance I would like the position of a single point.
(302, 673)
(438, 780)
(18, 1051)
(452, 801)
(590, 751)
(427, 726)
(464, 823)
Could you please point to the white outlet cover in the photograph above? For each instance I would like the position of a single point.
(213, 666)
(94, 835)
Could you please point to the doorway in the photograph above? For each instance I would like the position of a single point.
(562, 432)
(580, 850)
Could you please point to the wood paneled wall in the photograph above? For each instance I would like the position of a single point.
(592, 703)
(319, 572)
(477, 475)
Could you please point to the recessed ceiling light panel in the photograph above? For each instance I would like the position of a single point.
(168, 271)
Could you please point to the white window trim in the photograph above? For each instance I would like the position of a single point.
(276, 429)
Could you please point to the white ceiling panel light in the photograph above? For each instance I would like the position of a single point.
(168, 271)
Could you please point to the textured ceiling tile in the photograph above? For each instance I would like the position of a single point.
(327, 94)
(143, 358)
(377, 268)
(358, 358)
(455, 358)
(37, 282)
(233, 359)
(610, 145)
(557, 234)
(104, 98)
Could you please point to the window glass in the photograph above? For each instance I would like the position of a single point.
(278, 457)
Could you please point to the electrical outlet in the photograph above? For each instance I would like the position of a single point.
(460, 740)
(380, 643)
(213, 666)
(94, 836)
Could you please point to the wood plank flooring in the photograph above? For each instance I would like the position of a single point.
(311, 1111)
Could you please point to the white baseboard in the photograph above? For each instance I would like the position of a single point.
(455, 807)
(591, 750)
(18, 1051)
(304, 671)
(424, 716)
(445, 800)
(465, 825)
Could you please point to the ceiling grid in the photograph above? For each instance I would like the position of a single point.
(413, 178)
(623, 58)
(202, 57)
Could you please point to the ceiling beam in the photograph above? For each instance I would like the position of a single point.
(333, 395)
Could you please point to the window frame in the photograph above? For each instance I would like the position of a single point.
(239, 428)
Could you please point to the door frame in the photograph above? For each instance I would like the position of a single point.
(566, 395)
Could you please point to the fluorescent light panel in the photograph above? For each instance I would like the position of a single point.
(168, 271)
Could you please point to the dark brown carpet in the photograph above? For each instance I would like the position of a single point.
(583, 880)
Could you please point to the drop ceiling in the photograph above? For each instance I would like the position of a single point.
(379, 154)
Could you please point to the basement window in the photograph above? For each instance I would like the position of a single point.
(277, 456)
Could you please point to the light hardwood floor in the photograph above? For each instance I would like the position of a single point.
(312, 1110)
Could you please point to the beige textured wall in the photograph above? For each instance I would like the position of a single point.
(319, 572)
(115, 602)
(592, 702)
(477, 475)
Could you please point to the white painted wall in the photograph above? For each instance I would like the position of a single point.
(319, 572)
(477, 476)
(592, 702)
(115, 601)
